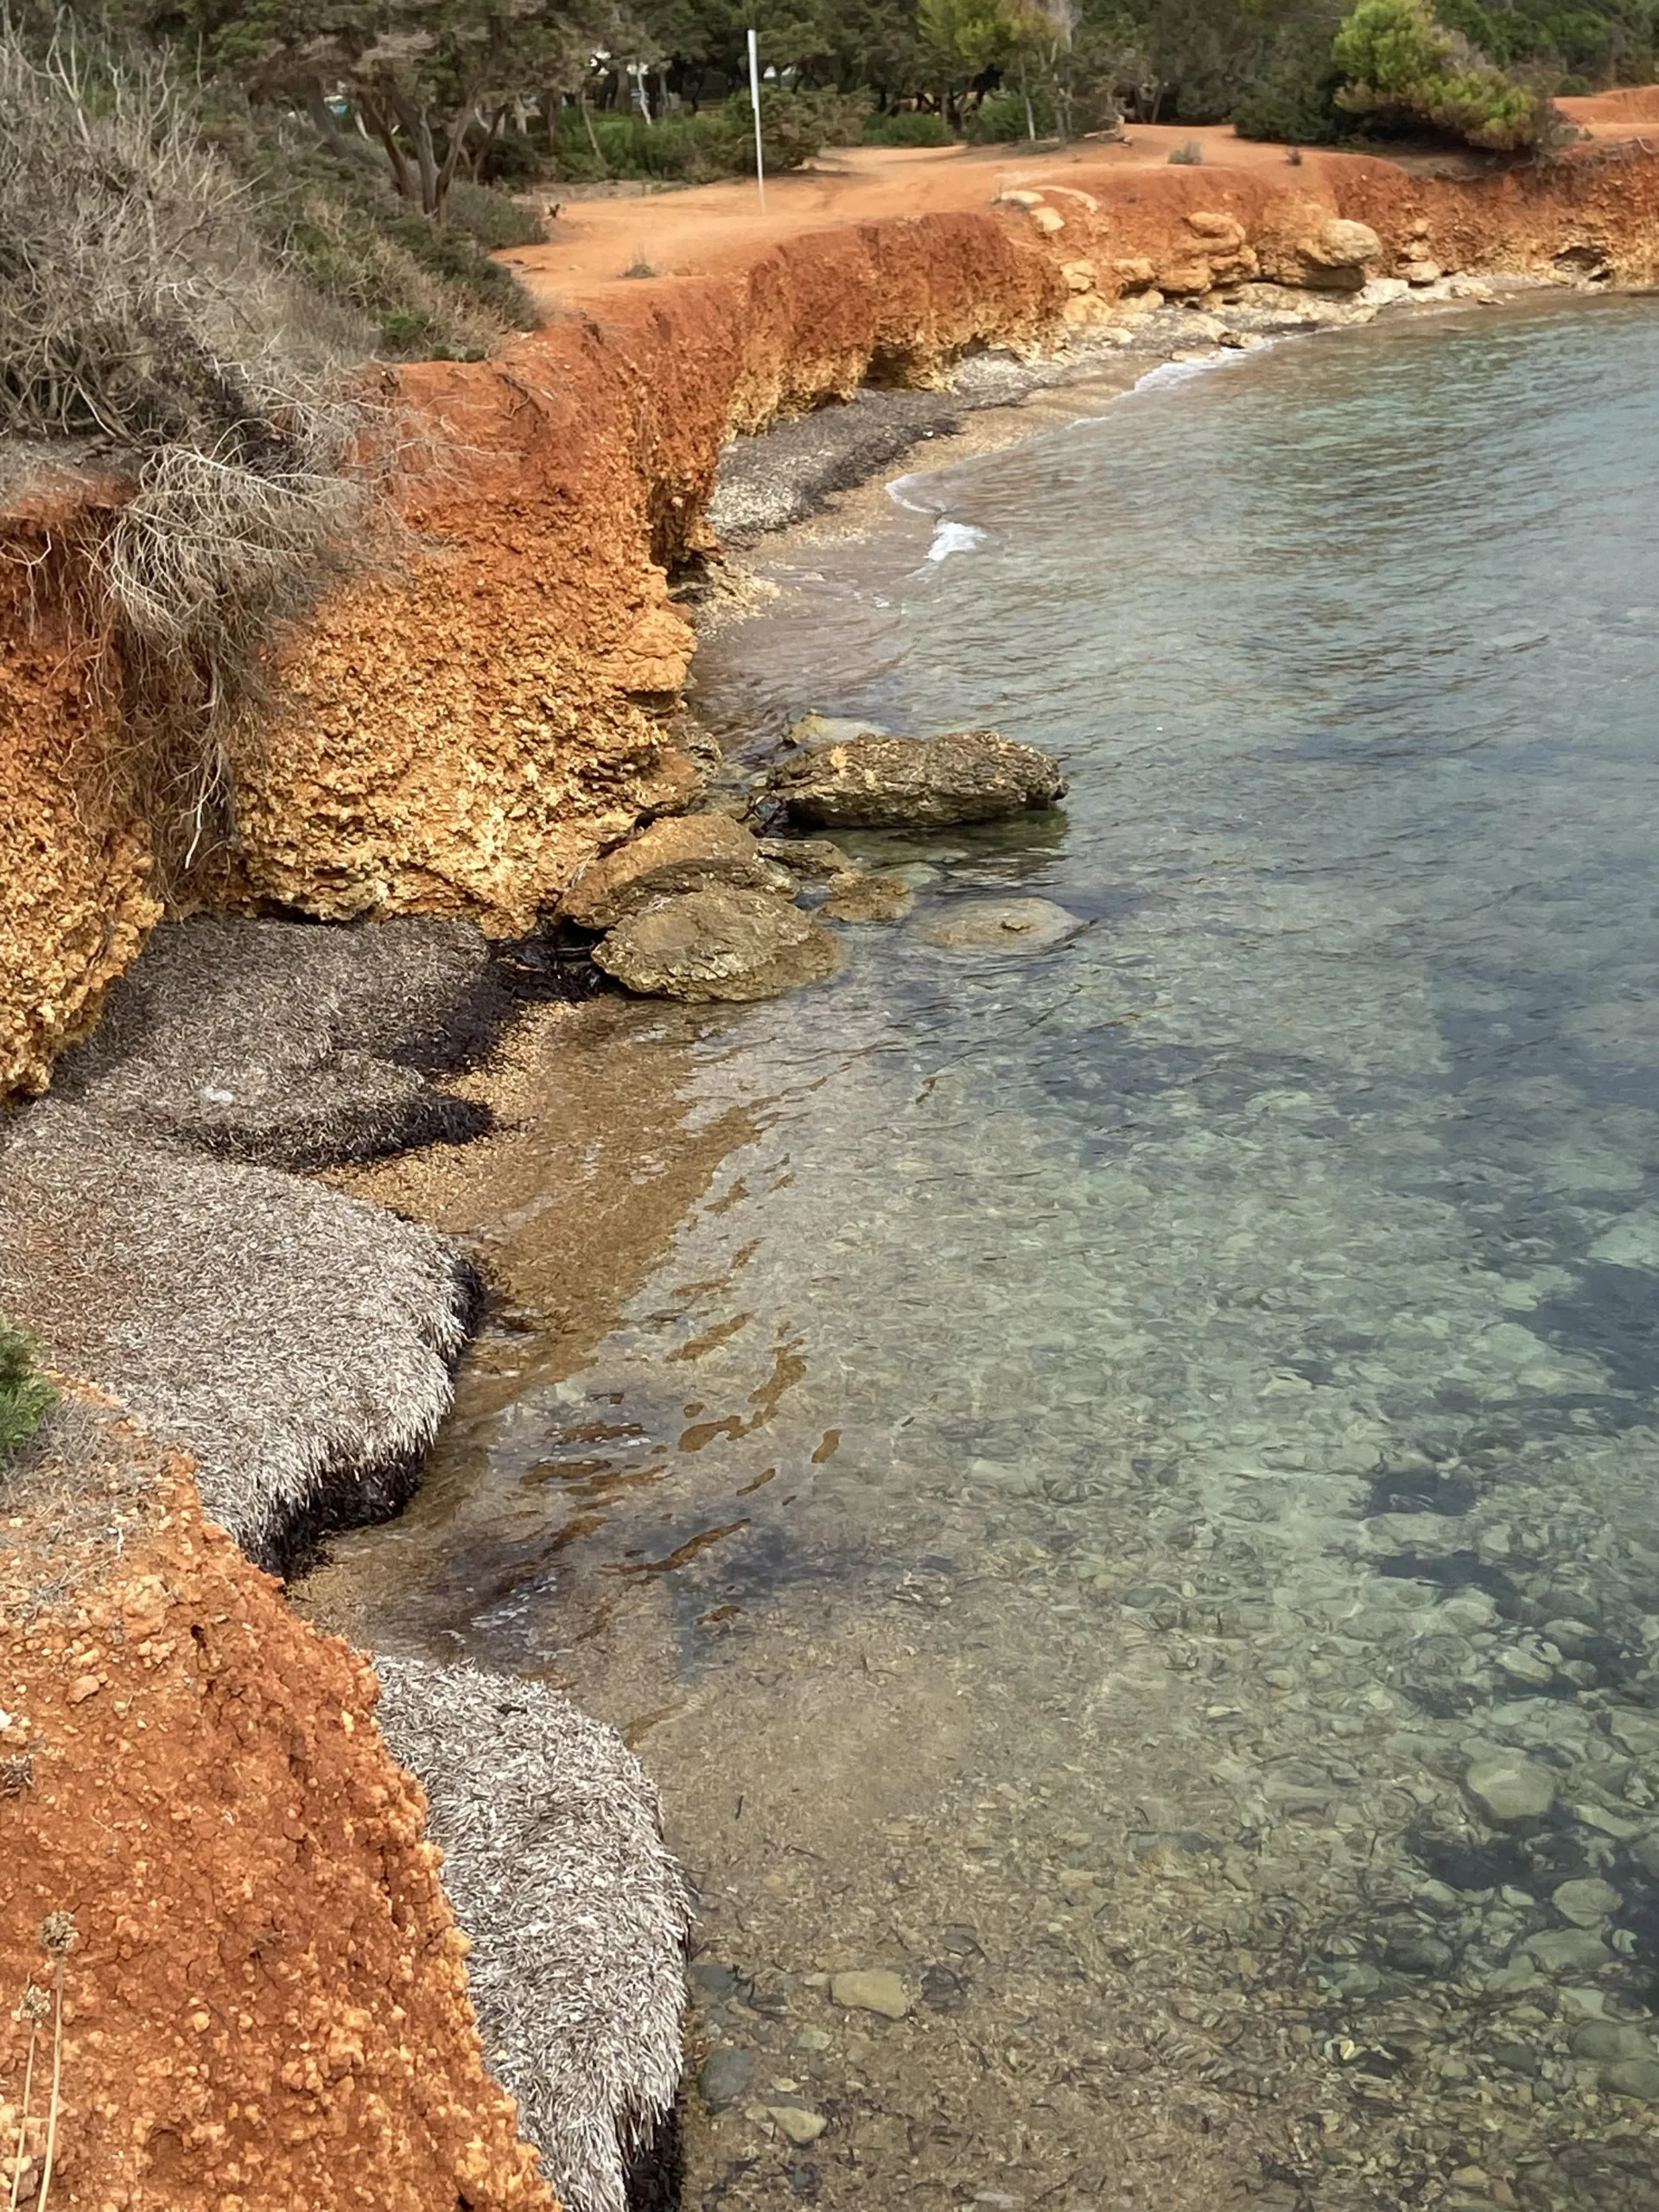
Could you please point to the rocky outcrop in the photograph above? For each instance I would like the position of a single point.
(1338, 255)
(76, 901)
(926, 783)
(691, 852)
(719, 944)
(264, 1997)
(468, 738)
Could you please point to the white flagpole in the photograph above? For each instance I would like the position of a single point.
(755, 102)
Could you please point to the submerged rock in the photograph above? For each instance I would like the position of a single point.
(829, 729)
(725, 2077)
(719, 944)
(799, 2124)
(1587, 1902)
(877, 1990)
(868, 899)
(813, 857)
(999, 925)
(1510, 1788)
(877, 782)
(687, 852)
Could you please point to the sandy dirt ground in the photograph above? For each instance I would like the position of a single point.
(708, 228)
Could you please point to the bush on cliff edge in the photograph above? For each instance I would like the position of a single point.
(147, 331)
(1400, 66)
(25, 1393)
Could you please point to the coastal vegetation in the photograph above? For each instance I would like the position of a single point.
(1397, 61)
(149, 331)
(345, 127)
(25, 1393)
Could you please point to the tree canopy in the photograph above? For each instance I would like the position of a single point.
(1397, 59)
(434, 83)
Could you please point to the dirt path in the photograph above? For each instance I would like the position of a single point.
(708, 228)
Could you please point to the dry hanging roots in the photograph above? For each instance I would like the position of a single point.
(141, 318)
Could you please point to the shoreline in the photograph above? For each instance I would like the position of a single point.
(461, 738)
(854, 506)
(846, 495)
(699, 1748)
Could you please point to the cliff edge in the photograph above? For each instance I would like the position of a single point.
(461, 738)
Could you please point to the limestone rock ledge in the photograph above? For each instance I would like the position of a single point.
(75, 898)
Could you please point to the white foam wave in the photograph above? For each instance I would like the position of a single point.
(897, 493)
(1169, 372)
(950, 537)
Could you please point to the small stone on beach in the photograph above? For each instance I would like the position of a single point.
(800, 2125)
(724, 2077)
(876, 1991)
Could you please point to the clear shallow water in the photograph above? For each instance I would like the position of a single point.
(1137, 1425)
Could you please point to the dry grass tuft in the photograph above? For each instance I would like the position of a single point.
(59, 1937)
(143, 322)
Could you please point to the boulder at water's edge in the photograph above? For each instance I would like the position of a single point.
(919, 783)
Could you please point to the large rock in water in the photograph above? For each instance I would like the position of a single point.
(687, 852)
(719, 944)
(922, 783)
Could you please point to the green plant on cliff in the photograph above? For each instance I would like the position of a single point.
(1401, 65)
(25, 1393)
(146, 329)
(429, 290)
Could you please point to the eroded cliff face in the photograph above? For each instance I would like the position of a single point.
(264, 2002)
(74, 858)
(460, 739)
(465, 742)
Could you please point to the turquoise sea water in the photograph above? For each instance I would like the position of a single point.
(1207, 1370)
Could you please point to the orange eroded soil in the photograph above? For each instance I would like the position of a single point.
(1616, 114)
(265, 2005)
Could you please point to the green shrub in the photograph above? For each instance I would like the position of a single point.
(1000, 119)
(429, 290)
(713, 142)
(796, 125)
(1402, 67)
(908, 127)
(680, 149)
(514, 159)
(1295, 106)
(492, 219)
(25, 1393)
(1187, 156)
